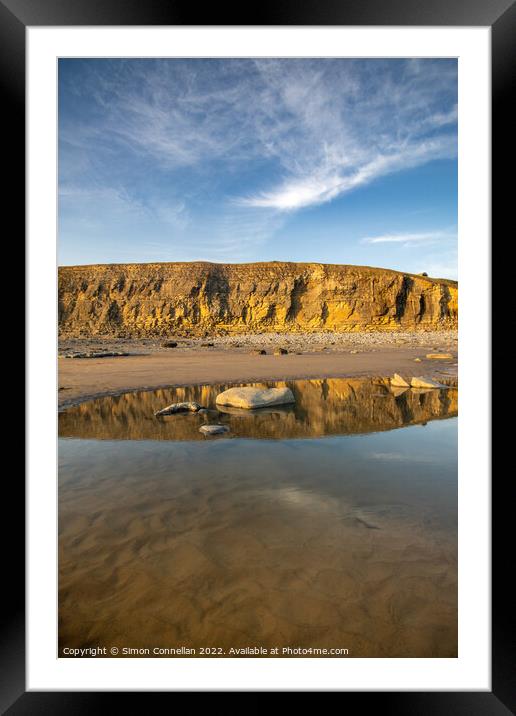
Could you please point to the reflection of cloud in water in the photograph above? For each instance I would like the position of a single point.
(399, 457)
(303, 499)
(237, 542)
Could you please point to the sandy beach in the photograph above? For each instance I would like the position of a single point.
(230, 360)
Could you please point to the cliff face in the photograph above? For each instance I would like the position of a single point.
(197, 298)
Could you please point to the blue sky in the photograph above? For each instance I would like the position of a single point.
(237, 160)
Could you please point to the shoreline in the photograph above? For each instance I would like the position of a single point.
(83, 379)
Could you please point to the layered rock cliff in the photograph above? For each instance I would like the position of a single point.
(204, 298)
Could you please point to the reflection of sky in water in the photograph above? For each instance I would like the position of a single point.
(336, 541)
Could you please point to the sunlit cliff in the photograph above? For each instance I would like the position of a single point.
(133, 300)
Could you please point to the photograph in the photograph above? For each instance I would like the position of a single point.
(257, 315)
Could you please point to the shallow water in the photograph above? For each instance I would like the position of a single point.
(332, 524)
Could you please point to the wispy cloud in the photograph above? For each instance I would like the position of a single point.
(221, 153)
(384, 121)
(326, 183)
(327, 127)
(409, 238)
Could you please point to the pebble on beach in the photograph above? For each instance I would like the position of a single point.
(293, 342)
(213, 429)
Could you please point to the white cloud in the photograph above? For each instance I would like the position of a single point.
(335, 178)
(408, 238)
(325, 127)
(299, 132)
(339, 130)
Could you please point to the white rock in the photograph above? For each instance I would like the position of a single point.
(421, 382)
(250, 398)
(398, 381)
(213, 429)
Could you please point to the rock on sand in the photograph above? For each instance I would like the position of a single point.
(250, 398)
(398, 382)
(439, 356)
(190, 407)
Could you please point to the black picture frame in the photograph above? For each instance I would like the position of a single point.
(500, 15)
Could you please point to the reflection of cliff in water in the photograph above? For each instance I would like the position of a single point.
(335, 406)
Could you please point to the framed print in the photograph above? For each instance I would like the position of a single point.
(258, 271)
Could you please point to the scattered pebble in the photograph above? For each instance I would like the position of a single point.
(436, 341)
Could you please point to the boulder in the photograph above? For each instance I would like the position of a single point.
(259, 352)
(280, 352)
(398, 382)
(250, 398)
(213, 429)
(190, 407)
(421, 382)
(169, 344)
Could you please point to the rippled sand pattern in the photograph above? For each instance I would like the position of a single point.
(334, 542)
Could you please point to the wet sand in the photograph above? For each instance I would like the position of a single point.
(84, 379)
(340, 542)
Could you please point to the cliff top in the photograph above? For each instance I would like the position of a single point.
(257, 264)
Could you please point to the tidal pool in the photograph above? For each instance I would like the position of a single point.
(330, 524)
